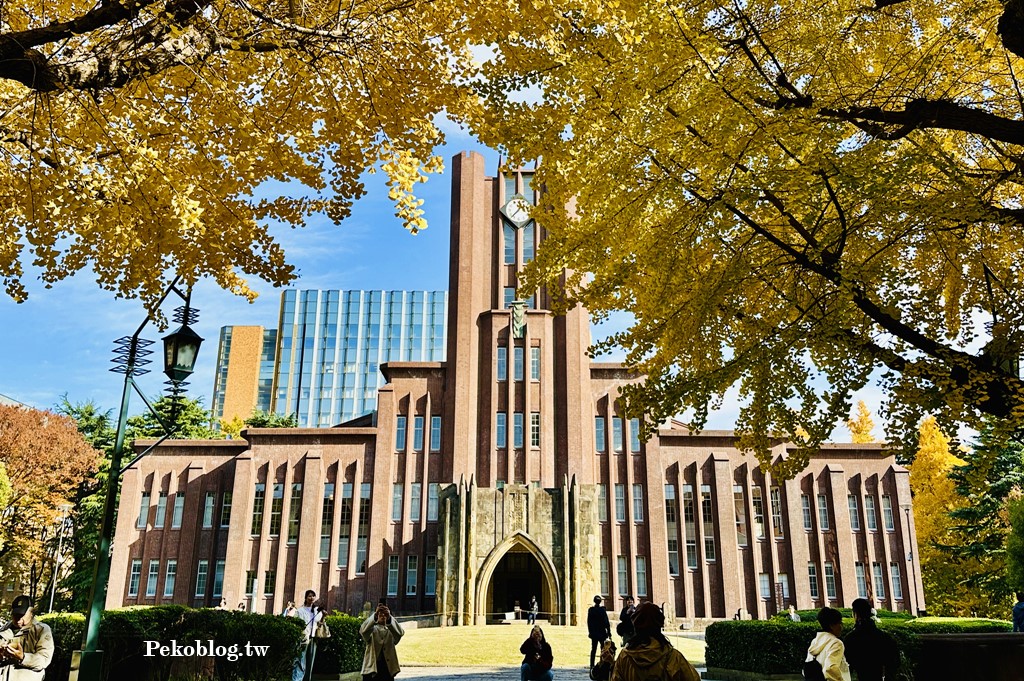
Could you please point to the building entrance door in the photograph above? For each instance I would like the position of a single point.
(517, 577)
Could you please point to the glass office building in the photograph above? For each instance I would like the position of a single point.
(331, 344)
(244, 377)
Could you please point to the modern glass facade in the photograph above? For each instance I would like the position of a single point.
(332, 344)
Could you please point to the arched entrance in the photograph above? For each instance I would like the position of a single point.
(515, 570)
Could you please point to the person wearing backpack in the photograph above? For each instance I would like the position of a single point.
(871, 652)
(826, 656)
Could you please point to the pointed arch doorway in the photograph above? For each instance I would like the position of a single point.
(515, 570)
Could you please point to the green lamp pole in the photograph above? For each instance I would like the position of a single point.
(180, 350)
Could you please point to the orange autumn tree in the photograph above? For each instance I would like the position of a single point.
(861, 425)
(45, 459)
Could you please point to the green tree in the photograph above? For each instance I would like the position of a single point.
(783, 205)
(190, 420)
(1015, 545)
(264, 419)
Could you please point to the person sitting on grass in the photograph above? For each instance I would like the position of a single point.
(537, 657)
(649, 655)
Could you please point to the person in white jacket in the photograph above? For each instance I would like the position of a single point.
(381, 632)
(26, 645)
(827, 648)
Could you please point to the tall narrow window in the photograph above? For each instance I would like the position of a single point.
(777, 526)
(690, 524)
(740, 511)
(257, 510)
(509, 296)
(517, 363)
(517, 430)
(435, 433)
(535, 429)
(396, 502)
(620, 503)
(862, 581)
(392, 575)
(830, 582)
(430, 576)
(879, 581)
(623, 576)
(209, 505)
(508, 234)
(638, 503)
(671, 529)
(599, 434)
(415, 499)
(433, 490)
(363, 536)
(399, 433)
(616, 434)
(897, 584)
(250, 582)
(218, 578)
(225, 510)
(294, 512)
(869, 512)
(528, 231)
(765, 581)
(143, 512)
(805, 505)
(345, 524)
(411, 574)
(502, 363)
(812, 580)
(854, 512)
(161, 510)
(602, 503)
(605, 588)
(634, 436)
(201, 574)
(783, 579)
(276, 507)
(501, 430)
(890, 525)
(327, 521)
(641, 576)
(822, 512)
(134, 578)
(417, 433)
(179, 509)
(170, 575)
(152, 577)
(269, 582)
(755, 493)
(708, 520)
(534, 364)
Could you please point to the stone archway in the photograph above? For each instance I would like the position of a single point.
(516, 569)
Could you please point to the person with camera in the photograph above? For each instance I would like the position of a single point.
(381, 632)
(26, 646)
(310, 613)
(537, 657)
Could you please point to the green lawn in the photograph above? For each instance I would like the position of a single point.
(499, 645)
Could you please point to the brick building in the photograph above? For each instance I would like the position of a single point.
(504, 472)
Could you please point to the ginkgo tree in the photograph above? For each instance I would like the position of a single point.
(787, 197)
(140, 138)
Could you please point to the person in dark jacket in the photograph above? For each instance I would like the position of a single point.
(537, 657)
(1018, 613)
(625, 625)
(871, 653)
(599, 629)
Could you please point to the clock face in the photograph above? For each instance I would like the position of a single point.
(517, 210)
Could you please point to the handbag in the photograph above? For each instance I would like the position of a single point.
(322, 630)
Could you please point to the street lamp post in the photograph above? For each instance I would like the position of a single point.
(910, 559)
(64, 508)
(180, 349)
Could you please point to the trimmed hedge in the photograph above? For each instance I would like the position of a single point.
(123, 632)
(779, 646)
(343, 651)
(812, 615)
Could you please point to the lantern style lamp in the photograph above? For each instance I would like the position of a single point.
(180, 351)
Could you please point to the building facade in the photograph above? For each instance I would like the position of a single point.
(244, 376)
(507, 471)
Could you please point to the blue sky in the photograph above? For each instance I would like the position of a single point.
(61, 340)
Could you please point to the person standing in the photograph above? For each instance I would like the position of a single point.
(537, 657)
(625, 626)
(1018, 613)
(381, 632)
(26, 646)
(599, 629)
(827, 650)
(534, 609)
(649, 655)
(871, 652)
(311, 615)
(794, 616)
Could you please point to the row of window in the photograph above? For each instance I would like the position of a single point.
(415, 501)
(412, 575)
(601, 435)
(518, 363)
(622, 564)
(170, 576)
(869, 509)
(501, 430)
(508, 233)
(161, 510)
(418, 423)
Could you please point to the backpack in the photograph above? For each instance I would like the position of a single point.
(813, 671)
